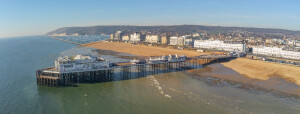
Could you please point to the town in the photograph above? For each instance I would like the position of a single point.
(268, 47)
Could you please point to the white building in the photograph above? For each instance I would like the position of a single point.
(220, 45)
(125, 38)
(79, 63)
(152, 38)
(297, 43)
(276, 52)
(173, 40)
(135, 37)
(180, 41)
(188, 42)
(118, 35)
(196, 35)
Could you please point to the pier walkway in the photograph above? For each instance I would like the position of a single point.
(53, 78)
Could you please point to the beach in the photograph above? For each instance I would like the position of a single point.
(173, 92)
(270, 76)
(141, 50)
(281, 79)
(255, 69)
(264, 70)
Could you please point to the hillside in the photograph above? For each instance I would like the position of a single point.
(173, 29)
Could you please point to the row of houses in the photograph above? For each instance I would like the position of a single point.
(276, 52)
(220, 45)
(210, 44)
(152, 38)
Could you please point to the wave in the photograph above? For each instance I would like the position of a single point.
(157, 85)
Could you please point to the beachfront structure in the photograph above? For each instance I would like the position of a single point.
(79, 63)
(112, 36)
(170, 58)
(297, 43)
(135, 37)
(118, 35)
(276, 52)
(195, 35)
(274, 40)
(173, 40)
(70, 77)
(220, 45)
(152, 38)
(180, 41)
(189, 42)
(164, 40)
(125, 38)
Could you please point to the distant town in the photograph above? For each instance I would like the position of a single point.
(275, 45)
(257, 47)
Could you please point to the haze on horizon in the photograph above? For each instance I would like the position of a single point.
(35, 17)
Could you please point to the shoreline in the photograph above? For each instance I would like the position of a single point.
(253, 72)
(274, 84)
(264, 70)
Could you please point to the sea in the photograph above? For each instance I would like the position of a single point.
(175, 92)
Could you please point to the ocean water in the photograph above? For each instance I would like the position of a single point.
(84, 39)
(176, 92)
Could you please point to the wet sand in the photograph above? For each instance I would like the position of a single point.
(140, 50)
(264, 70)
(275, 83)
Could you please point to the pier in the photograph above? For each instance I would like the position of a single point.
(51, 77)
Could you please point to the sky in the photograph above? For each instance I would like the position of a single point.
(37, 17)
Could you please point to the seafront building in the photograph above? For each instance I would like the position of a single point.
(180, 41)
(153, 38)
(125, 38)
(189, 42)
(135, 37)
(79, 63)
(220, 45)
(276, 52)
(112, 36)
(164, 40)
(173, 40)
(297, 43)
(118, 36)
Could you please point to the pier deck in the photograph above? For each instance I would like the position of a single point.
(124, 70)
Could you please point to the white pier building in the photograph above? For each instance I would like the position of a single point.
(79, 63)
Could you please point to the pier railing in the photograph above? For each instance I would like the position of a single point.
(123, 72)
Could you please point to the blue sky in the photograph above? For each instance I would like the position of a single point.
(36, 17)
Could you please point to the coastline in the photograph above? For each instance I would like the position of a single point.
(275, 84)
(264, 70)
(259, 74)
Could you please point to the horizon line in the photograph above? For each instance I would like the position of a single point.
(179, 25)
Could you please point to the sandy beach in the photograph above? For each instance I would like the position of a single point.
(264, 70)
(255, 69)
(271, 76)
(220, 75)
(140, 50)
